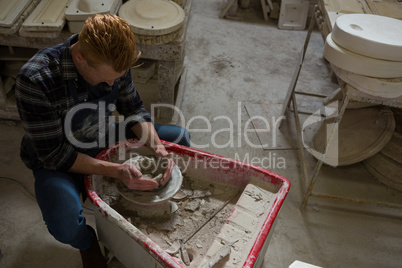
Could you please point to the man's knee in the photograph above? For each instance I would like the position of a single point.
(175, 134)
(65, 224)
(58, 196)
(185, 138)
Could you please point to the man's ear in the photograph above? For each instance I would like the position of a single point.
(80, 57)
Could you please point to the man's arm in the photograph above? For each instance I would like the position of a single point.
(41, 121)
(146, 133)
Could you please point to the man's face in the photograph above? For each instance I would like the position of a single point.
(95, 75)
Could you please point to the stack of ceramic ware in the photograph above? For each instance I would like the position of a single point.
(79, 10)
(153, 21)
(365, 51)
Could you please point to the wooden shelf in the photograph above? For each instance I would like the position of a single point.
(16, 53)
(168, 55)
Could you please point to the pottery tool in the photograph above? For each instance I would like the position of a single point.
(184, 253)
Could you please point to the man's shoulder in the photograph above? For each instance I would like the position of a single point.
(45, 61)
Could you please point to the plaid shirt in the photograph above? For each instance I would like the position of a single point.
(43, 100)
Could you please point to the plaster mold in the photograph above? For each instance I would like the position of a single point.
(48, 16)
(293, 15)
(386, 88)
(343, 6)
(79, 10)
(153, 17)
(369, 35)
(11, 10)
(356, 63)
(17, 24)
(38, 34)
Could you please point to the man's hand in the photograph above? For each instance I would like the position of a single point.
(160, 151)
(168, 172)
(133, 179)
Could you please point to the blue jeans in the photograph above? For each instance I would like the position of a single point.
(58, 196)
(173, 134)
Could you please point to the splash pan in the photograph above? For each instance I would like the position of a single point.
(222, 205)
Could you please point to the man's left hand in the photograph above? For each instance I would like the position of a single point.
(168, 172)
(160, 151)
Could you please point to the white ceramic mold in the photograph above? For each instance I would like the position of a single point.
(48, 16)
(293, 15)
(369, 35)
(11, 10)
(153, 17)
(79, 10)
(359, 64)
(386, 88)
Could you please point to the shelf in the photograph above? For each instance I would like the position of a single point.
(16, 53)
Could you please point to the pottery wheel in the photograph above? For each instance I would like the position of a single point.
(150, 166)
(151, 197)
(152, 17)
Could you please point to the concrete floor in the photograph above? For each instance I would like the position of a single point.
(231, 64)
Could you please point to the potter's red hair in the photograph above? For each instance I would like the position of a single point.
(107, 38)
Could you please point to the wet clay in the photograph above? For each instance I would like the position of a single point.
(150, 166)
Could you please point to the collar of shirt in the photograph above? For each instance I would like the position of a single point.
(67, 63)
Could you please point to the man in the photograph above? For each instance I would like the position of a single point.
(65, 97)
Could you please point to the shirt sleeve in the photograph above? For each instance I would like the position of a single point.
(129, 102)
(43, 125)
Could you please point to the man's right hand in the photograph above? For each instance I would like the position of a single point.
(133, 179)
(127, 173)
